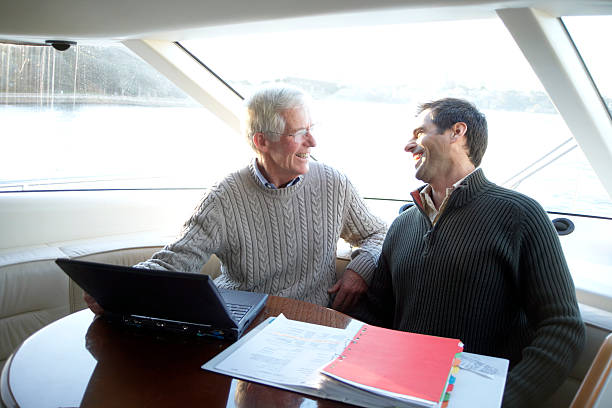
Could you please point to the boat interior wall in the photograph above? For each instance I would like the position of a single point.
(122, 227)
(42, 218)
(181, 19)
(156, 19)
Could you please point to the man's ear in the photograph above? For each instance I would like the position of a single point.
(260, 142)
(458, 131)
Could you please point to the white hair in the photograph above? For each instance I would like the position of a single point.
(264, 107)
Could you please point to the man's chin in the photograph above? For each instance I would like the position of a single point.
(420, 174)
(304, 169)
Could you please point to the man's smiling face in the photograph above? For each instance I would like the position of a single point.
(288, 157)
(429, 148)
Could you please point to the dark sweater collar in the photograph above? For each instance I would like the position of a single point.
(470, 188)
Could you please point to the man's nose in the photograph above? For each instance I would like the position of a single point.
(310, 139)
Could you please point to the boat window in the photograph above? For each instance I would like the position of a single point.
(591, 35)
(97, 116)
(368, 80)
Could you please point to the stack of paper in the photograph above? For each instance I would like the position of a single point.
(285, 352)
(413, 368)
(291, 355)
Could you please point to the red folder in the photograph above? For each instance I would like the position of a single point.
(407, 364)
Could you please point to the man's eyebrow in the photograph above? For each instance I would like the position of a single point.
(302, 128)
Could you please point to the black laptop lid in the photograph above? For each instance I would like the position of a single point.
(123, 290)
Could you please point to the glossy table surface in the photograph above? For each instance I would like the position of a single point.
(85, 361)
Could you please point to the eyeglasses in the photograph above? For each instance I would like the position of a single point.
(298, 135)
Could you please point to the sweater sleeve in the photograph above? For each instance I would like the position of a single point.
(549, 300)
(377, 307)
(200, 237)
(365, 232)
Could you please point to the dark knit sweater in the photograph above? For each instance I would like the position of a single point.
(491, 272)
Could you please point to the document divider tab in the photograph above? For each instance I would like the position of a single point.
(451, 379)
(408, 366)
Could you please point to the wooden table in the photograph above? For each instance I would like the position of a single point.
(85, 361)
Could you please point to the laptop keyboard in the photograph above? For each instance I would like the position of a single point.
(238, 311)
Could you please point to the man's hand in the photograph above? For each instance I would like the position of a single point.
(92, 304)
(348, 290)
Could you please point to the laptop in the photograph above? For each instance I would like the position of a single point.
(178, 302)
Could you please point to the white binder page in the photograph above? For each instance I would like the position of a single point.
(286, 351)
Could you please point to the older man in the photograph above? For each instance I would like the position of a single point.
(474, 261)
(275, 224)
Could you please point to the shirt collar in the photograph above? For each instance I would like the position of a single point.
(265, 181)
(427, 200)
(459, 182)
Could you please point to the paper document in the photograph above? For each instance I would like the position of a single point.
(474, 364)
(287, 351)
(289, 354)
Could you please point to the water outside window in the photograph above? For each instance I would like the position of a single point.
(97, 116)
(367, 82)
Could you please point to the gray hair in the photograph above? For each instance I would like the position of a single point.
(264, 107)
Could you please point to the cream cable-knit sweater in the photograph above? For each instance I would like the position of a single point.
(278, 241)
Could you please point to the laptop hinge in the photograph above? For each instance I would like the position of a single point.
(193, 329)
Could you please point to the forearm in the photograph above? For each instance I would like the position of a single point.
(201, 237)
(378, 305)
(549, 299)
(176, 258)
(546, 361)
(366, 233)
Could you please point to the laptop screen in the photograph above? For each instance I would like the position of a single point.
(176, 296)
